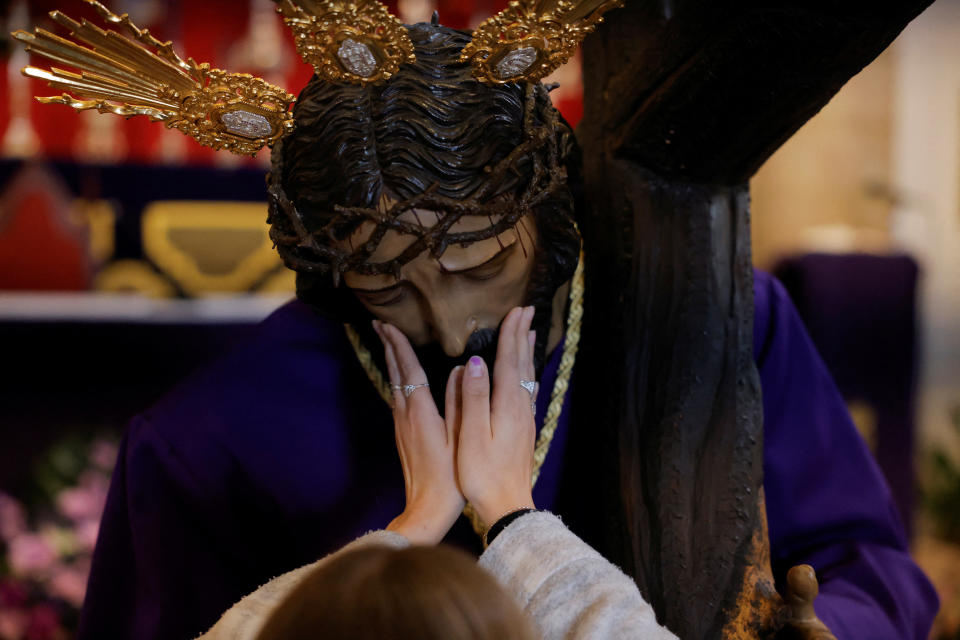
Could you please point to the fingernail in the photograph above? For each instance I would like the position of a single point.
(475, 367)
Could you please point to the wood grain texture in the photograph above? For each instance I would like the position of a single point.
(683, 101)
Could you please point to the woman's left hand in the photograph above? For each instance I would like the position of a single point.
(498, 433)
(426, 443)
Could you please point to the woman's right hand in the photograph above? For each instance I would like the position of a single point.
(495, 456)
(426, 443)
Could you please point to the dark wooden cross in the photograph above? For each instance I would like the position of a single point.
(684, 100)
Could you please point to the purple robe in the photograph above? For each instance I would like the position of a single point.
(282, 451)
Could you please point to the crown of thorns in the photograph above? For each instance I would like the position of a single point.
(322, 250)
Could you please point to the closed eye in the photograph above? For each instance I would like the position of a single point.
(488, 269)
(394, 294)
(484, 273)
(382, 297)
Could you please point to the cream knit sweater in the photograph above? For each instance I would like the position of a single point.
(569, 590)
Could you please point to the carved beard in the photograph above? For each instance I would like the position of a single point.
(483, 343)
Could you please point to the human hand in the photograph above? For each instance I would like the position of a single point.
(426, 443)
(495, 458)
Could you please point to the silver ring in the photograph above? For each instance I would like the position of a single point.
(408, 389)
(531, 387)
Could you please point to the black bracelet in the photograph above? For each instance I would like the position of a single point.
(497, 527)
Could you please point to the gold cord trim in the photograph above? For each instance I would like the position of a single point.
(567, 359)
(554, 409)
(369, 366)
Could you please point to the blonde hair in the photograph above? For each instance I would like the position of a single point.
(378, 592)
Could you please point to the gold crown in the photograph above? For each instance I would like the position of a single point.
(354, 42)
(346, 41)
(531, 38)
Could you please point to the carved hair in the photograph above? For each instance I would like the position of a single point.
(432, 136)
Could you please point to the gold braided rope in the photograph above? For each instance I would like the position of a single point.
(369, 366)
(567, 360)
(554, 409)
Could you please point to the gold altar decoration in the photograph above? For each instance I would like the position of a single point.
(531, 38)
(139, 75)
(133, 276)
(209, 247)
(99, 218)
(281, 281)
(357, 42)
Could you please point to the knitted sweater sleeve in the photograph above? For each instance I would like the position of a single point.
(244, 620)
(567, 588)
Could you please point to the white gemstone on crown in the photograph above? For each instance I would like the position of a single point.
(357, 58)
(246, 124)
(516, 62)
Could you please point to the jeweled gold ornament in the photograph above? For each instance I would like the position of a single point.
(531, 38)
(348, 42)
(139, 75)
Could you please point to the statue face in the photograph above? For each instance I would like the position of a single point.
(445, 301)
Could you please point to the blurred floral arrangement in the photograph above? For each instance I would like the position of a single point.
(47, 541)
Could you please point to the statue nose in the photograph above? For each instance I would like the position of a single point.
(452, 329)
(453, 346)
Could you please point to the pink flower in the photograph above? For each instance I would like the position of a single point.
(81, 503)
(86, 532)
(13, 519)
(13, 623)
(44, 624)
(103, 454)
(30, 554)
(95, 481)
(69, 583)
